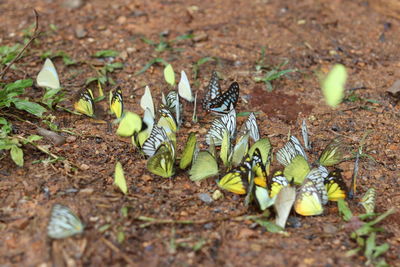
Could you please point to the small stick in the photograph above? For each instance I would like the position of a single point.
(239, 217)
(34, 36)
(118, 251)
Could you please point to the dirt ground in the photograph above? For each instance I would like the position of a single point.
(311, 34)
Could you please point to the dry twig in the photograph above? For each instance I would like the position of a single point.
(34, 36)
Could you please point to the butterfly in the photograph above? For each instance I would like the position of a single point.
(212, 92)
(265, 148)
(332, 154)
(290, 150)
(225, 102)
(235, 181)
(48, 77)
(204, 165)
(335, 185)
(167, 120)
(188, 151)
(156, 138)
(278, 181)
(146, 102)
(297, 169)
(129, 125)
(368, 200)
(308, 200)
(85, 103)
(171, 102)
(145, 130)
(119, 178)
(184, 89)
(162, 162)
(117, 103)
(219, 125)
(251, 126)
(304, 132)
(318, 175)
(63, 223)
(333, 85)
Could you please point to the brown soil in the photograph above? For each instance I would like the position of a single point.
(312, 35)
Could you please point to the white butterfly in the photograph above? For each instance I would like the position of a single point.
(219, 125)
(63, 223)
(147, 101)
(304, 132)
(184, 89)
(290, 150)
(48, 77)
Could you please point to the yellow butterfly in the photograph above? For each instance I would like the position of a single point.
(188, 151)
(235, 181)
(335, 186)
(308, 200)
(368, 200)
(85, 103)
(204, 165)
(278, 181)
(297, 169)
(117, 103)
(332, 154)
(162, 162)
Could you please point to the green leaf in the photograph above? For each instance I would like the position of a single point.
(120, 237)
(104, 227)
(379, 250)
(113, 66)
(333, 85)
(270, 226)
(34, 137)
(30, 107)
(17, 155)
(370, 245)
(119, 178)
(344, 210)
(106, 53)
(150, 63)
(91, 79)
(169, 75)
(20, 84)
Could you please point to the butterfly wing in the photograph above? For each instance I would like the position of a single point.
(335, 186)
(278, 182)
(368, 200)
(184, 88)
(227, 101)
(204, 166)
(188, 151)
(297, 170)
(63, 223)
(252, 127)
(213, 91)
(332, 154)
(146, 102)
(290, 150)
(234, 181)
(85, 103)
(308, 201)
(304, 133)
(48, 77)
(117, 103)
(318, 175)
(162, 162)
(156, 138)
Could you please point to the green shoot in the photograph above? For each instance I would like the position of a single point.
(272, 73)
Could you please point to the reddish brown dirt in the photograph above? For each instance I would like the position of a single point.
(311, 34)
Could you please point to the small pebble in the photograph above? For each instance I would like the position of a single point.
(71, 139)
(293, 222)
(205, 198)
(84, 167)
(217, 195)
(209, 225)
(330, 228)
(80, 31)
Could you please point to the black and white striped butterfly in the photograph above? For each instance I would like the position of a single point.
(63, 223)
(156, 138)
(318, 175)
(291, 149)
(213, 91)
(227, 101)
(219, 125)
(251, 126)
(304, 132)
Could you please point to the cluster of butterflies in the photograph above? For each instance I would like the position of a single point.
(245, 156)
